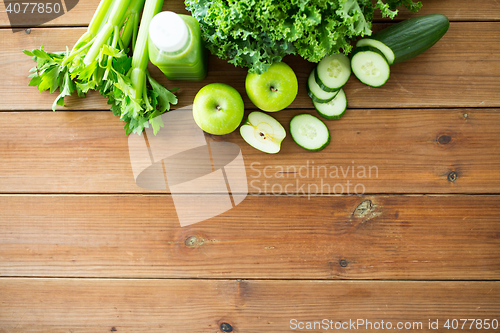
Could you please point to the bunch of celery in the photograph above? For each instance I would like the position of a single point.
(99, 61)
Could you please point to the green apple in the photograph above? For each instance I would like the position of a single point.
(218, 108)
(263, 132)
(274, 89)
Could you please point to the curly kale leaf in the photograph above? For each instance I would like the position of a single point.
(256, 33)
(388, 9)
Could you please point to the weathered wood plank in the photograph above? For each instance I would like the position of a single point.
(283, 237)
(456, 10)
(459, 71)
(75, 305)
(372, 151)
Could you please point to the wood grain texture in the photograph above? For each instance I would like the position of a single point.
(456, 10)
(283, 237)
(372, 151)
(73, 246)
(74, 305)
(458, 71)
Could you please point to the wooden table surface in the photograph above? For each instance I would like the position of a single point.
(84, 249)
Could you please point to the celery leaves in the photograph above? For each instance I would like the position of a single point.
(99, 61)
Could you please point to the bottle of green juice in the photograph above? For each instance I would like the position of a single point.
(175, 46)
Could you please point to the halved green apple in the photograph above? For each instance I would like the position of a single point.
(263, 132)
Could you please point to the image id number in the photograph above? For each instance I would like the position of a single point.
(478, 324)
(33, 8)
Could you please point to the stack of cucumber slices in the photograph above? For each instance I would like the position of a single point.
(324, 86)
(325, 83)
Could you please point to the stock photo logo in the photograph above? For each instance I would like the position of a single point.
(205, 178)
(29, 14)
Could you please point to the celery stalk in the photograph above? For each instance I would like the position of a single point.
(136, 97)
(115, 19)
(100, 17)
(140, 58)
(131, 23)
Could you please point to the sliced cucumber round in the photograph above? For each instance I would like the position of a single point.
(309, 132)
(333, 72)
(388, 53)
(333, 109)
(316, 93)
(370, 66)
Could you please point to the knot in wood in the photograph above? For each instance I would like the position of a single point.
(193, 241)
(225, 327)
(363, 209)
(444, 139)
(452, 176)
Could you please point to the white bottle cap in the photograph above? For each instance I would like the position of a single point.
(168, 31)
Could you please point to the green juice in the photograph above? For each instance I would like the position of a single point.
(179, 58)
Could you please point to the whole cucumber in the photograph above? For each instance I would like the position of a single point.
(409, 38)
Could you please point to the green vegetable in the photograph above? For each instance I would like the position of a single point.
(370, 66)
(257, 33)
(372, 56)
(52, 70)
(99, 61)
(333, 109)
(131, 99)
(333, 72)
(409, 38)
(316, 93)
(309, 132)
